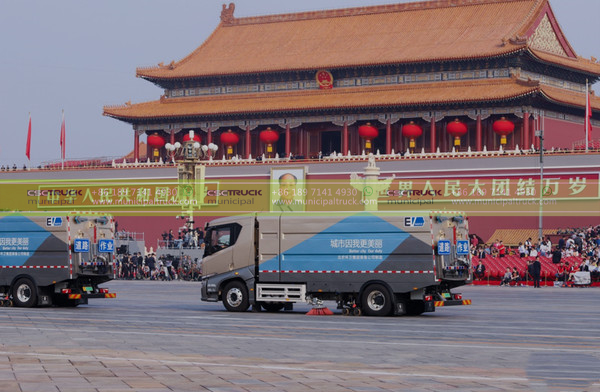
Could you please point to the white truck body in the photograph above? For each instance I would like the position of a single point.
(377, 263)
(60, 260)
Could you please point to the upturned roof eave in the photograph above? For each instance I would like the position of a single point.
(590, 73)
(139, 119)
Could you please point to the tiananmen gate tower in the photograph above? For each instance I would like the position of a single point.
(430, 76)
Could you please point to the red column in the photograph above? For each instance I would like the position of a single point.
(535, 139)
(345, 139)
(209, 140)
(388, 137)
(172, 141)
(493, 137)
(478, 146)
(492, 141)
(287, 140)
(526, 141)
(444, 139)
(484, 132)
(136, 145)
(521, 136)
(248, 142)
(512, 142)
(432, 136)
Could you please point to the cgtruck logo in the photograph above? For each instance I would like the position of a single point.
(227, 192)
(54, 192)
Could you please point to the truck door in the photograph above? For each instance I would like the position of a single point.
(218, 254)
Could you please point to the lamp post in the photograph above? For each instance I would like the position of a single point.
(190, 173)
(540, 133)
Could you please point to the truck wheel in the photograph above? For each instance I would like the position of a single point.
(24, 293)
(415, 308)
(376, 301)
(272, 306)
(235, 297)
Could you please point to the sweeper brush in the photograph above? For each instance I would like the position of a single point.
(319, 309)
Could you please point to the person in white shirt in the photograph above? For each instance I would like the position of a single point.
(569, 252)
(523, 250)
(544, 249)
(533, 252)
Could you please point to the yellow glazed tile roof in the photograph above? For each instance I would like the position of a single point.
(436, 30)
(512, 237)
(426, 94)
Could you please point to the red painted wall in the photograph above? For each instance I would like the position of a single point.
(482, 226)
(562, 134)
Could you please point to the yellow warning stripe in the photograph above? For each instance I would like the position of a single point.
(106, 295)
(441, 303)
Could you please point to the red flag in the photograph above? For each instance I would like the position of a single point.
(63, 142)
(588, 117)
(28, 146)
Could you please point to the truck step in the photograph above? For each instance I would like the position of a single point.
(275, 292)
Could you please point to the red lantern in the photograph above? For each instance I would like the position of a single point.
(269, 136)
(367, 132)
(197, 138)
(230, 139)
(412, 131)
(503, 127)
(155, 141)
(456, 129)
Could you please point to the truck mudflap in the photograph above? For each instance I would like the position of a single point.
(452, 302)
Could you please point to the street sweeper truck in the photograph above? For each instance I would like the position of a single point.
(58, 260)
(372, 263)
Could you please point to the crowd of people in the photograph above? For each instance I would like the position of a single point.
(186, 239)
(176, 266)
(136, 267)
(582, 244)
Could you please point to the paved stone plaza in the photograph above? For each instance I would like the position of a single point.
(157, 336)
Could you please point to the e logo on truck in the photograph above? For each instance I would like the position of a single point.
(54, 221)
(414, 221)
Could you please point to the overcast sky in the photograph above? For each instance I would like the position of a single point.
(79, 55)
